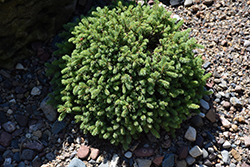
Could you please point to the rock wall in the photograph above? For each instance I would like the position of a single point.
(25, 21)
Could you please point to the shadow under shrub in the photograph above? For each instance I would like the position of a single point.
(127, 70)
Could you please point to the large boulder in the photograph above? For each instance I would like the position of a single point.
(23, 22)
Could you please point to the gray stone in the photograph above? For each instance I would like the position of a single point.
(9, 126)
(225, 156)
(188, 2)
(190, 160)
(142, 162)
(58, 126)
(50, 156)
(76, 163)
(21, 164)
(168, 160)
(35, 91)
(48, 110)
(128, 154)
(5, 139)
(176, 2)
(204, 153)
(204, 104)
(190, 134)
(19, 66)
(181, 163)
(223, 84)
(195, 151)
(27, 154)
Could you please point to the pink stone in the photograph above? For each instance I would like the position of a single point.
(144, 152)
(244, 164)
(225, 122)
(226, 104)
(247, 141)
(83, 152)
(94, 153)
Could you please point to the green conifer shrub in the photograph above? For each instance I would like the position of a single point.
(131, 70)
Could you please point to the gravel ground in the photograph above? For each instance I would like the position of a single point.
(219, 136)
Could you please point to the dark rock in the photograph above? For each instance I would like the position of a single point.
(197, 121)
(5, 139)
(9, 126)
(176, 2)
(3, 117)
(17, 37)
(2, 149)
(210, 137)
(168, 160)
(199, 141)
(22, 119)
(50, 156)
(17, 132)
(16, 157)
(14, 144)
(27, 154)
(19, 89)
(144, 152)
(58, 126)
(37, 162)
(183, 152)
(21, 164)
(8, 154)
(1, 159)
(34, 145)
(7, 85)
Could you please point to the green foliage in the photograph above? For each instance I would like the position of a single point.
(131, 70)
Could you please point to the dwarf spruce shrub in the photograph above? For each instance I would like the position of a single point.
(127, 70)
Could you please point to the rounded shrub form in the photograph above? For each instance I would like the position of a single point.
(131, 71)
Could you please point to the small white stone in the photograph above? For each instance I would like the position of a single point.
(19, 66)
(143, 162)
(35, 91)
(128, 154)
(226, 144)
(195, 151)
(246, 43)
(9, 111)
(188, 2)
(13, 101)
(114, 160)
(204, 104)
(7, 161)
(190, 134)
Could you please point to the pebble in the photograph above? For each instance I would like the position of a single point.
(143, 162)
(188, 2)
(50, 156)
(197, 121)
(27, 154)
(9, 126)
(204, 104)
(115, 160)
(19, 66)
(35, 91)
(5, 139)
(168, 160)
(34, 145)
(195, 151)
(225, 156)
(225, 122)
(236, 155)
(75, 162)
(204, 153)
(247, 141)
(94, 152)
(211, 116)
(235, 101)
(48, 110)
(158, 160)
(83, 152)
(181, 163)
(58, 126)
(246, 43)
(144, 152)
(190, 160)
(128, 154)
(226, 145)
(183, 152)
(190, 134)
